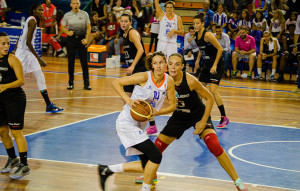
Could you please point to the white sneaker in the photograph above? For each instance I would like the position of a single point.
(65, 50)
(62, 55)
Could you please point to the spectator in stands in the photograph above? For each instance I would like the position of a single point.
(261, 5)
(245, 48)
(99, 7)
(209, 14)
(277, 24)
(259, 25)
(278, 4)
(98, 29)
(147, 6)
(288, 55)
(190, 48)
(224, 41)
(241, 5)
(293, 7)
(138, 14)
(296, 52)
(291, 20)
(109, 5)
(154, 32)
(220, 17)
(269, 46)
(245, 20)
(112, 27)
(118, 10)
(3, 11)
(79, 29)
(233, 24)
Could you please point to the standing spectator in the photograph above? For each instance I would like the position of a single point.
(154, 32)
(97, 29)
(245, 48)
(269, 47)
(296, 52)
(112, 27)
(3, 10)
(99, 7)
(118, 10)
(233, 24)
(190, 46)
(224, 41)
(79, 29)
(49, 15)
(245, 20)
(220, 17)
(138, 14)
(209, 14)
(259, 25)
(277, 24)
(147, 6)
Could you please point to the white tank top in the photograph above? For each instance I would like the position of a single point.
(23, 36)
(166, 25)
(152, 93)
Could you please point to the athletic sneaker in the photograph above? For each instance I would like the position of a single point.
(249, 75)
(53, 109)
(10, 164)
(240, 186)
(223, 122)
(297, 90)
(272, 78)
(258, 77)
(104, 172)
(280, 78)
(140, 180)
(20, 172)
(234, 73)
(152, 130)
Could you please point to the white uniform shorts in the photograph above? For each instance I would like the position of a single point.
(28, 60)
(130, 132)
(167, 48)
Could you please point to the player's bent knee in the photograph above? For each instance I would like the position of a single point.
(156, 157)
(212, 143)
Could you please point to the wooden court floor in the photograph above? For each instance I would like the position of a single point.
(246, 101)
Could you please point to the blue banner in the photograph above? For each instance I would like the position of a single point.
(14, 33)
(14, 19)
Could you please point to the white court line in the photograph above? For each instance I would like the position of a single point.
(230, 151)
(289, 127)
(163, 173)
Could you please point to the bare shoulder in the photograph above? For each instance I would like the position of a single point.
(170, 80)
(192, 81)
(12, 58)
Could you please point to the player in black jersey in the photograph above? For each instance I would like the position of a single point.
(190, 112)
(134, 56)
(214, 65)
(12, 109)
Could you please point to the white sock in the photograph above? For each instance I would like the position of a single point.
(273, 72)
(259, 71)
(116, 168)
(146, 187)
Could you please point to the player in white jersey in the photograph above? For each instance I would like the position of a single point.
(152, 86)
(170, 26)
(31, 62)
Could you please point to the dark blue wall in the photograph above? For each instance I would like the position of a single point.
(24, 5)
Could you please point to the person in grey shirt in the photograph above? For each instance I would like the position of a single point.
(224, 41)
(79, 29)
(190, 47)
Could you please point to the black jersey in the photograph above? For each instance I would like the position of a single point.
(209, 52)
(7, 74)
(130, 51)
(189, 105)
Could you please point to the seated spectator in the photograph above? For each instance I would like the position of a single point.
(118, 10)
(269, 46)
(98, 29)
(278, 4)
(262, 6)
(288, 55)
(291, 20)
(224, 41)
(138, 14)
(147, 8)
(241, 4)
(100, 8)
(245, 20)
(154, 31)
(233, 24)
(277, 24)
(245, 48)
(220, 17)
(112, 27)
(259, 25)
(3, 11)
(209, 14)
(212, 27)
(190, 47)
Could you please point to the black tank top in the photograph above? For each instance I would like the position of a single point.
(266, 48)
(130, 51)
(209, 52)
(189, 107)
(7, 74)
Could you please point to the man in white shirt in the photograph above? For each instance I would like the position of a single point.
(224, 41)
(190, 48)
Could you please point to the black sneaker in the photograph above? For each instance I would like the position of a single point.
(87, 88)
(280, 78)
(10, 164)
(20, 172)
(104, 173)
(70, 87)
(53, 109)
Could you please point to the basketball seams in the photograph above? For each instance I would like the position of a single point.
(139, 111)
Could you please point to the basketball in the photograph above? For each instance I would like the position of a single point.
(141, 111)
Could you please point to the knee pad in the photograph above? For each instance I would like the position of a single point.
(40, 79)
(212, 143)
(156, 157)
(161, 145)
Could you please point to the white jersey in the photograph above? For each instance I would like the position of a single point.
(166, 25)
(23, 36)
(130, 131)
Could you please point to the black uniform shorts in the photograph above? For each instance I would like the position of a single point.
(12, 109)
(207, 77)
